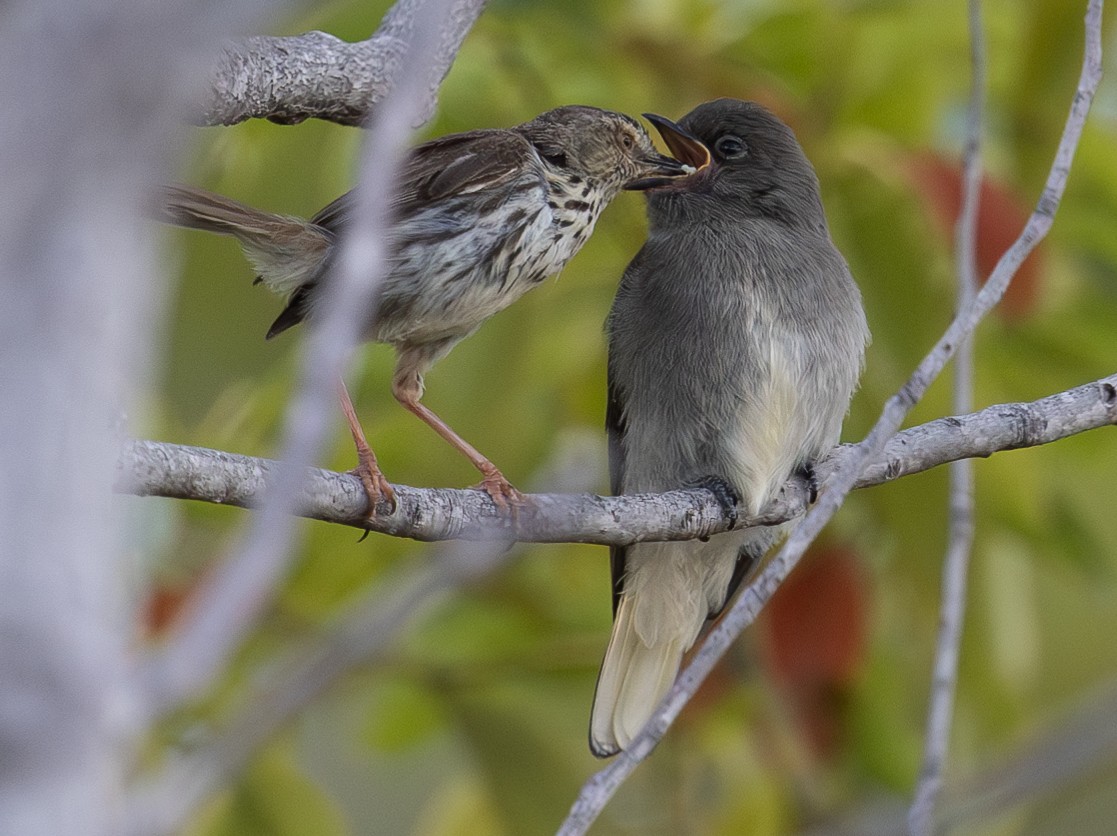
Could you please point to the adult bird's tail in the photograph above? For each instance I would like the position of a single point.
(286, 252)
(635, 676)
(668, 592)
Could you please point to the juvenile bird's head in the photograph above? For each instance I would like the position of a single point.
(609, 150)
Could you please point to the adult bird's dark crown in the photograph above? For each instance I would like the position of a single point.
(755, 160)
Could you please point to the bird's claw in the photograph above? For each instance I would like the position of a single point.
(507, 499)
(808, 472)
(378, 489)
(723, 492)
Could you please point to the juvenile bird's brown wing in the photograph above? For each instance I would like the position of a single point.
(443, 168)
(435, 171)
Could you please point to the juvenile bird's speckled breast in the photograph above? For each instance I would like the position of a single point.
(474, 270)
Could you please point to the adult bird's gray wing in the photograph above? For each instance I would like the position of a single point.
(614, 427)
(615, 430)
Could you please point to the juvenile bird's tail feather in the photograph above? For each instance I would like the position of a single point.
(287, 252)
(634, 678)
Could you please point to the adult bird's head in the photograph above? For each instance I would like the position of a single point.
(756, 163)
(608, 150)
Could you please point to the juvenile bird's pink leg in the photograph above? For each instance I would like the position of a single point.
(407, 386)
(367, 470)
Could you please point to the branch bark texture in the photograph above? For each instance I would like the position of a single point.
(151, 468)
(369, 626)
(288, 80)
(318, 76)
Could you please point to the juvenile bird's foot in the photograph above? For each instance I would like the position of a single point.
(377, 488)
(724, 492)
(507, 499)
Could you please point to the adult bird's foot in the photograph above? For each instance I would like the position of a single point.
(378, 489)
(725, 494)
(807, 471)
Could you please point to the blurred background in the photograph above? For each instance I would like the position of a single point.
(476, 723)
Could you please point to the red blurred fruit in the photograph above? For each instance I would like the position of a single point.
(163, 607)
(812, 639)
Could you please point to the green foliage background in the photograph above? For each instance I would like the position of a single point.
(476, 723)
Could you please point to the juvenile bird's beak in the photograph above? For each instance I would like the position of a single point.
(692, 155)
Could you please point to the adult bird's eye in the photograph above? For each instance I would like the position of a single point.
(729, 147)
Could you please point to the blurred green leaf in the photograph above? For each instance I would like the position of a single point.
(403, 714)
(273, 799)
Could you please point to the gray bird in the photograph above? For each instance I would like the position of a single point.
(735, 344)
(480, 218)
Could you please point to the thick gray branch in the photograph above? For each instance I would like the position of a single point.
(150, 468)
(319, 76)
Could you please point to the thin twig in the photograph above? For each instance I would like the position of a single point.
(600, 787)
(235, 592)
(368, 627)
(1073, 751)
(960, 534)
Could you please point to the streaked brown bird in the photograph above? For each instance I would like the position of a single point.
(480, 218)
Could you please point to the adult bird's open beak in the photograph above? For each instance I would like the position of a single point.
(692, 156)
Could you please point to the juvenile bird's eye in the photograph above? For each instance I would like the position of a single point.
(730, 147)
(627, 141)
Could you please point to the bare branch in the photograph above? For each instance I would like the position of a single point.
(318, 76)
(961, 527)
(600, 788)
(162, 802)
(151, 468)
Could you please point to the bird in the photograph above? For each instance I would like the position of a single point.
(480, 218)
(735, 344)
